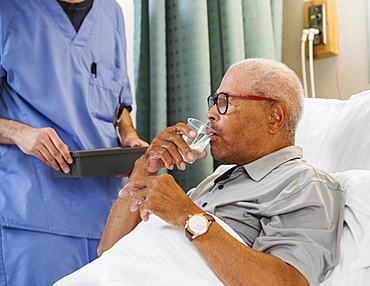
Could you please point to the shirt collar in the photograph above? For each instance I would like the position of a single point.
(260, 168)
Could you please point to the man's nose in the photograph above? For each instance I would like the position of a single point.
(213, 114)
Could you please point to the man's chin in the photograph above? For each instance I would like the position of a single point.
(215, 155)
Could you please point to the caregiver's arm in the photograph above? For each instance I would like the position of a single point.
(128, 133)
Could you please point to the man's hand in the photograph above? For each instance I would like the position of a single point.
(159, 195)
(164, 151)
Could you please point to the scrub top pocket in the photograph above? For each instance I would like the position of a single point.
(105, 92)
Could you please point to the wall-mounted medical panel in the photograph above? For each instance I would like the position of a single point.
(322, 15)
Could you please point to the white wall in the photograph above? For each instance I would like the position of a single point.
(128, 12)
(335, 76)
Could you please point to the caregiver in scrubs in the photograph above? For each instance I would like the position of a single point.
(63, 78)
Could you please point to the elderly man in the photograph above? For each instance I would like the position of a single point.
(288, 212)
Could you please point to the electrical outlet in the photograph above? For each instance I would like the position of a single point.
(317, 20)
(322, 15)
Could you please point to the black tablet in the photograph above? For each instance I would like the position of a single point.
(101, 162)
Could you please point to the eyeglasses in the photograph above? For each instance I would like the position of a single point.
(222, 100)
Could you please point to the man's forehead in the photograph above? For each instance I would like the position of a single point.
(234, 81)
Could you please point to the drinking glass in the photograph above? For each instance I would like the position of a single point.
(200, 142)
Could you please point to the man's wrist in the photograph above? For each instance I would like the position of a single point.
(140, 167)
(197, 225)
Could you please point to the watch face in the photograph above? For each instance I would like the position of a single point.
(198, 224)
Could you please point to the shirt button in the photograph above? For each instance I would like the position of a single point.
(204, 204)
(220, 187)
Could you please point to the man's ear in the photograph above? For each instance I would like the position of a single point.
(278, 115)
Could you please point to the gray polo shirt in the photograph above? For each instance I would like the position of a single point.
(281, 205)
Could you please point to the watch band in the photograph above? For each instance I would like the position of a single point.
(192, 236)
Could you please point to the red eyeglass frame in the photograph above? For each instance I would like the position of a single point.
(248, 96)
(255, 97)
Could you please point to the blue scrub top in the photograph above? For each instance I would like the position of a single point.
(48, 82)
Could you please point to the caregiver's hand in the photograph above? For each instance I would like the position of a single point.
(43, 143)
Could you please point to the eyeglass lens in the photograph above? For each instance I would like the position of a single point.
(221, 101)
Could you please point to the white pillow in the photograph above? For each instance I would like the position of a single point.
(354, 265)
(334, 134)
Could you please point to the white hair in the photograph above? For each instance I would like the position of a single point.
(273, 79)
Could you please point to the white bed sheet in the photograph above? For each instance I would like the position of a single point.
(154, 254)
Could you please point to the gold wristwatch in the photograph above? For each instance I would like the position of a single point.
(197, 224)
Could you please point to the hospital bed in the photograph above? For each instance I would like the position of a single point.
(334, 135)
